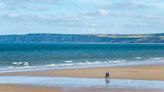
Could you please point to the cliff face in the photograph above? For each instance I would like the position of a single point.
(92, 38)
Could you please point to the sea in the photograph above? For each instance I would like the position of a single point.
(35, 56)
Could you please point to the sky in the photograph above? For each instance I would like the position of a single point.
(81, 16)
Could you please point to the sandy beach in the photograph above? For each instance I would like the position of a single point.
(140, 72)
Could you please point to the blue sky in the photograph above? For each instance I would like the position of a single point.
(81, 16)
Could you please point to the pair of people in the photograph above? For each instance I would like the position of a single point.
(107, 75)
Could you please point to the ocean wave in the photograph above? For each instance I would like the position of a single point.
(20, 63)
(138, 57)
(25, 66)
(68, 61)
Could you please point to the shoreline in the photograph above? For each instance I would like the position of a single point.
(87, 66)
(137, 72)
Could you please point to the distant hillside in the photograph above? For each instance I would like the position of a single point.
(90, 38)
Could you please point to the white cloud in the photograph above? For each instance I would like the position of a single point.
(13, 15)
(96, 14)
(104, 12)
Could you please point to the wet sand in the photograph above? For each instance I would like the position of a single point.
(140, 72)
(23, 88)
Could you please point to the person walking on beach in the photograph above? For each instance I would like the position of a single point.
(107, 75)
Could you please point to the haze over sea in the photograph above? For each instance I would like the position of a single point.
(18, 55)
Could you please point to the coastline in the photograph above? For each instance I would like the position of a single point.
(138, 72)
(87, 66)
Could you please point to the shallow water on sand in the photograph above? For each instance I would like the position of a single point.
(66, 82)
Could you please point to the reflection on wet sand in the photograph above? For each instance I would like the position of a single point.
(107, 81)
(67, 82)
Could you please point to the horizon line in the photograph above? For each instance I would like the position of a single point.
(82, 34)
